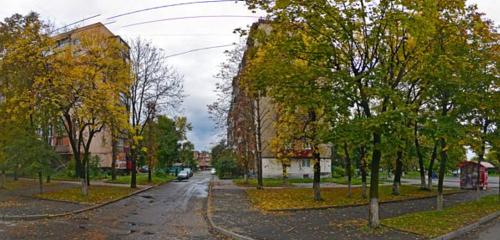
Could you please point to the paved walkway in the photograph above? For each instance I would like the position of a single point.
(489, 231)
(170, 211)
(232, 210)
(453, 182)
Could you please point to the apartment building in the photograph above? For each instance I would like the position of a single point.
(203, 159)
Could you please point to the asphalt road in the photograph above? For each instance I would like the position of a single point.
(171, 211)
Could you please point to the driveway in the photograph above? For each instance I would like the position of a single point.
(171, 211)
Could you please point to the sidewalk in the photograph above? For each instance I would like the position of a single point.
(231, 210)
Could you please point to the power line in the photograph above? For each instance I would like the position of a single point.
(198, 49)
(85, 19)
(191, 17)
(171, 5)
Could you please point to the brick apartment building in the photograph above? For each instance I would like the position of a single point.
(204, 160)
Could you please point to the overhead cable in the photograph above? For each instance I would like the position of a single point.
(198, 49)
(171, 5)
(191, 17)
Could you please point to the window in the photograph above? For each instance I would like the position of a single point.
(306, 163)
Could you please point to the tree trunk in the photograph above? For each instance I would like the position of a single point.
(481, 156)
(348, 170)
(363, 172)
(83, 178)
(397, 175)
(442, 171)
(87, 170)
(285, 174)
(431, 166)
(150, 177)
(420, 158)
(114, 153)
(260, 182)
(373, 214)
(2, 180)
(133, 171)
(48, 178)
(40, 182)
(15, 175)
(317, 175)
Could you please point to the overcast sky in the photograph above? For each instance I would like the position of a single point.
(173, 36)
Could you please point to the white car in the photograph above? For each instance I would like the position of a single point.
(212, 171)
(183, 175)
(190, 172)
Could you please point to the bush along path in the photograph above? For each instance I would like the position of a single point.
(339, 223)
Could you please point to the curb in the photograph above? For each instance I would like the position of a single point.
(221, 230)
(49, 216)
(356, 205)
(468, 228)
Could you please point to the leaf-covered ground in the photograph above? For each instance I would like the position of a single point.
(436, 223)
(97, 194)
(22, 184)
(142, 179)
(302, 198)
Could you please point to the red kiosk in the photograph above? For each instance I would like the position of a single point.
(468, 174)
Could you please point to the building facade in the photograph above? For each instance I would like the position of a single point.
(203, 159)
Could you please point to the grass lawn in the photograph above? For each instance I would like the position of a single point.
(300, 198)
(432, 224)
(97, 194)
(268, 182)
(278, 182)
(142, 179)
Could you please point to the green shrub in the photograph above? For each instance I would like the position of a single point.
(226, 168)
(338, 172)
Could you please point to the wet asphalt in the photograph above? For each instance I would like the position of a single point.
(172, 211)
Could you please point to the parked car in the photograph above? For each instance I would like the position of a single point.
(144, 169)
(183, 175)
(190, 172)
(212, 171)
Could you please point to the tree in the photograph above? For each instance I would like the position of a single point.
(86, 90)
(186, 155)
(26, 148)
(372, 51)
(24, 44)
(220, 108)
(155, 84)
(168, 139)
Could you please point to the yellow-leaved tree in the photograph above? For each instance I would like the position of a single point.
(88, 82)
